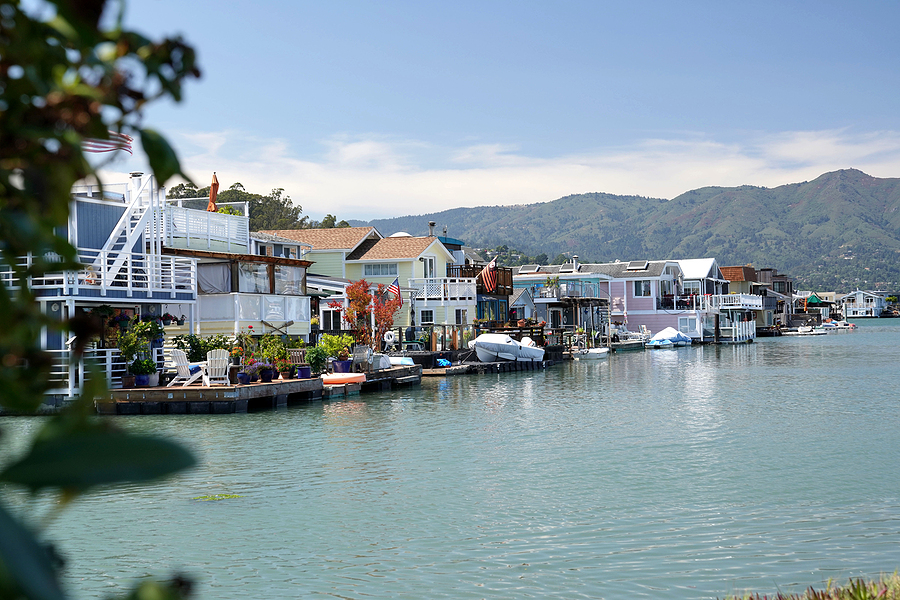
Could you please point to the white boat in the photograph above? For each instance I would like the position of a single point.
(660, 344)
(832, 326)
(805, 330)
(590, 353)
(672, 335)
(494, 347)
(624, 340)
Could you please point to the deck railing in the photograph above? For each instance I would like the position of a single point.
(104, 270)
(504, 278)
(68, 377)
(442, 290)
(203, 230)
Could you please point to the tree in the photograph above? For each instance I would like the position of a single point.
(358, 309)
(64, 79)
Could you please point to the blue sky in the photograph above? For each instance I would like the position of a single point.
(366, 110)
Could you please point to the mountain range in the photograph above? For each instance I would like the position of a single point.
(838, 232)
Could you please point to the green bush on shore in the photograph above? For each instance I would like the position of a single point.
(887, 587)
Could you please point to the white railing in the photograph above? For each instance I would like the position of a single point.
(736, 301)
(67, 377)
(443, 289)
(739, 331)
(109, 270)
(238, 307)
(203, 230)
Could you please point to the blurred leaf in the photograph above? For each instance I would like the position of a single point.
(163, 160)
(81, 459)
(152, 590)
(26, 562)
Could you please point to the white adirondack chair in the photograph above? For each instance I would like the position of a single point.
(183, 369)
(216, 371)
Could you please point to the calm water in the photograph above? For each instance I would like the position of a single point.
(689, 473)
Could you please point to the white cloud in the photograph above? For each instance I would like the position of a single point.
(371, 177)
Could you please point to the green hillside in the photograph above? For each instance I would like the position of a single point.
(840, 231)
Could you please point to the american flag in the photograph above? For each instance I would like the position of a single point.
(116, 141)
(489, 276)
(394, 288)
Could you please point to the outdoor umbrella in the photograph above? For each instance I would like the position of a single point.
(213, 192)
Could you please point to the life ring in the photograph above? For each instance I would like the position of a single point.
(389, 337)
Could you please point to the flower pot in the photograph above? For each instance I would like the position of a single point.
(304, 372)
(243, 378)
(167, 322)
(180, 322)
(141, 380)
(153, 380)
(341, 366)
(235, 360)
(266, 376)
(286, 375)
(127, 381)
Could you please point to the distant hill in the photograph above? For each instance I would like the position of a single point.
(837, 232)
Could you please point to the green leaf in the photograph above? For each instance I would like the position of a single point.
(83, 459)
(163, 160)
(26, 562)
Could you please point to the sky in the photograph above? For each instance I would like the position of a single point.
(379, 109)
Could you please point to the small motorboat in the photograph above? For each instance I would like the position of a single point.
(670, 334)
(660, 344)
(805, 330)
(590, 353)
(342, 378)
(496, 347)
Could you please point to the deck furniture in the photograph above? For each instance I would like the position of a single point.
(216, 371)
(183, 369)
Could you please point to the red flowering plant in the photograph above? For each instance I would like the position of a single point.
(362, 304)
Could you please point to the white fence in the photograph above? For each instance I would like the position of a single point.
(67, 378)
(443, 289)
(146, 273)
(202, 230)
(734, 301)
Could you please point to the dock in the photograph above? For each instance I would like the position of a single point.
(481, 368)
(229, 399)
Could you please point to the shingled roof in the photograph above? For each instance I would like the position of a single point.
(337, 238)
(391, 248)
(746, 273)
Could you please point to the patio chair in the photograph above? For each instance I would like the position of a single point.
(183, 369)
(216, 371)
(297, 356)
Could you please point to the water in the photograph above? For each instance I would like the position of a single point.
(688, 473)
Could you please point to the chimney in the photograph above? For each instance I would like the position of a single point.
(575, 261)
(431, 225)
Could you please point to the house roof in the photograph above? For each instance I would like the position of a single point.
(745, 273)
(230, 256)
(337, 238)
(700, 268)
(521, 297)
(393, 248)
(277, 239)
(617, 270)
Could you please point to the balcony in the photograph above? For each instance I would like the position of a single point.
(444, 290)
(202, 230)
(504, 278)
(569, 290)
(116, 274)
(240, 308)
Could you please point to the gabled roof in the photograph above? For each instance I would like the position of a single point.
(745, 273)
(275, 239)
(398, 248)
(700, 268)
(617, 270)
(521, 297)
(337, 238)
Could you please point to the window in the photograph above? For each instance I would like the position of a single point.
(331, 320)
(691, 287)
(380, 270)
(641, 287)
(288, 280)
(462, 317)
(429, 267)
(687, 325)
(426, 317)
(253, 278)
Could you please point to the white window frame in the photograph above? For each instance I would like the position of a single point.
(422, 313)
(687, 325)
(380, 270)
(462, 316)
(429, 267)
(645, 287)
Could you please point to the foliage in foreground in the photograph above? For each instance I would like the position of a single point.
(886, 588)
(63, 79)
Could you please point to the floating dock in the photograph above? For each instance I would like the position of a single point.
(228, 399)
(481, 368)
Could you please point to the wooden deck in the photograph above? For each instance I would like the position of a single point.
(228, 399)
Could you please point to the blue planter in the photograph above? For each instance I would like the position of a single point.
(341, 366)
(266, 376)
(304, 373)
(141, 380)
(243, 378)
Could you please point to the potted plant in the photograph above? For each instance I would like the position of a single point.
(266, 372)
(129, 344)
(314, 323)
(343, 362)
(142, 370)
(180, 320)
(167, 319)
(285, 368)
(237, 353)
(247, 373)
(316, 357)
